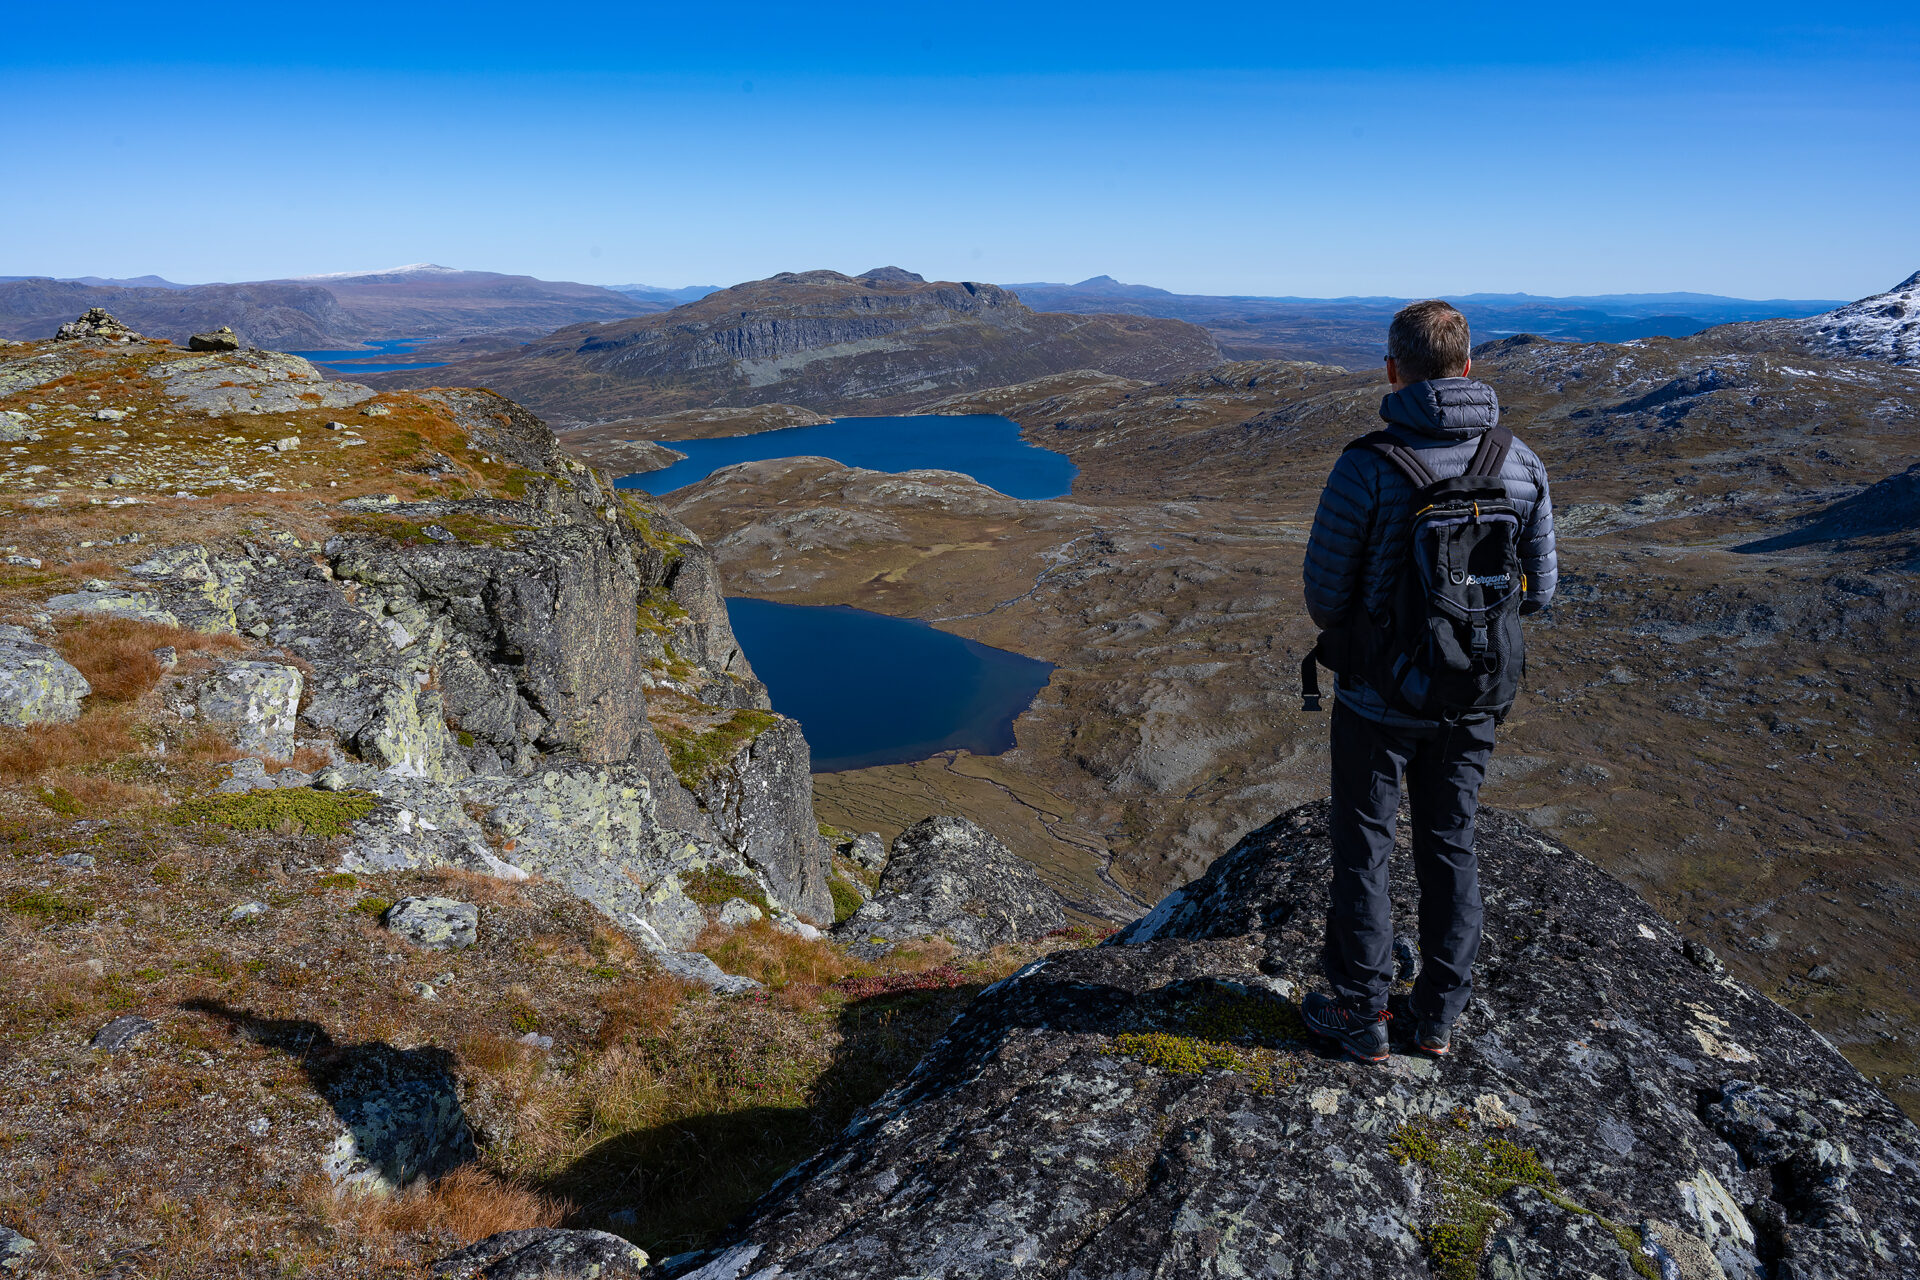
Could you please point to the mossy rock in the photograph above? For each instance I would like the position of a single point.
(696, 756)
(463, 526)
(710, 887)
(297, 811)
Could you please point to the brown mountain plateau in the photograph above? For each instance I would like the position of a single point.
(884, 342)
(1720, 707)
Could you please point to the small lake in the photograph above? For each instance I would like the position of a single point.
(983, 445)
(375, 349)
(871, 690)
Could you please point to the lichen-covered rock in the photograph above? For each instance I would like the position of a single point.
(37, 685)
(258, 701)
(950, 878)
(761, 804)
(1149, 1108)
(439, 924)
(401, 1114)
(221, 339)
(259, 382)
(16, 1252)
(118, 1036)
(137, 605)
(196, 588)
(543, 1253)
(867, 851)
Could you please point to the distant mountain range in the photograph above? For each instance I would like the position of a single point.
(335, 311)
(884, 341)
(1351, 331)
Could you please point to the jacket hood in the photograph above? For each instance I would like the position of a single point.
(1444, 408)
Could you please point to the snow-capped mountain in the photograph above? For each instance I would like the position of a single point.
(1883, 327)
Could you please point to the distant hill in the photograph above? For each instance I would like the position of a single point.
(424, 298)
(1885, 327)
(1351, 331)
(337, 311)
(670, 297)
(881, 342)
(282, 316)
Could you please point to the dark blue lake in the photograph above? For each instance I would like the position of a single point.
(377, 348)
(984, 446)
(871, 690)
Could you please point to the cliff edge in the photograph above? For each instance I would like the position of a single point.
(1615, 1106)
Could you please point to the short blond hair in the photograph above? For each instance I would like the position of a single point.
(1429, 340)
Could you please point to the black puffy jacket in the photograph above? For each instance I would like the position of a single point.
(1360, 531)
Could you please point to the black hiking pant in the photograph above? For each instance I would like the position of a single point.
(1443, 767)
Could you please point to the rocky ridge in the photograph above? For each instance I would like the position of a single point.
(1885, 327)
(534, 680)
(877, 343)
(1615, 1106)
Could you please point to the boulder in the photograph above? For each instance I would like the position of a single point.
(401, 1115)
(260, 700)
(118, 1036)
(950, 878)
(1152, 1107)
(16, 1252)
(544, 1253)
(439, 924)
(221, 339)
(37, 685)
(867, 851)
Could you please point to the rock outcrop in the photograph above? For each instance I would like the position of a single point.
(37, 685)
(541, 680)
(823, 341)
(1615, 1106)
(950, 878)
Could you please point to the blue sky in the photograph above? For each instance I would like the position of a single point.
(1759, 150)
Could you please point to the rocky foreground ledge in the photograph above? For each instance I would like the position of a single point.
(1616, 1106)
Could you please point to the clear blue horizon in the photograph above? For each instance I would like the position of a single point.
(1760, 151)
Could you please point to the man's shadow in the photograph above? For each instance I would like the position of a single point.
(400, 1107)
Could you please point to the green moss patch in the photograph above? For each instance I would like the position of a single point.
(641, 517)
(846, 898)
(696, 755)
(1183, 1055)
(658, 612)
(296, 811)
(710, 886)
(1473, 1173)
(47, 906)
(463, 525)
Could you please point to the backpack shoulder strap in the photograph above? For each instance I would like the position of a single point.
(1405, 460)
(1490, 459)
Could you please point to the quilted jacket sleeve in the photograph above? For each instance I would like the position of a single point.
(1538, 555)
(1342, 532)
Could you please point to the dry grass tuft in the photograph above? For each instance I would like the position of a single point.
(99, 735)
(116, 654)
(774, 957)
(478, 888)
(306, 760)
(642, 1009)
(468, 1204)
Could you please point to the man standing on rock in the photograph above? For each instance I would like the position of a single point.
(1433, 536)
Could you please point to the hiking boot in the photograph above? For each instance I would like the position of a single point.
(1435, 1038)
(1362, 1037)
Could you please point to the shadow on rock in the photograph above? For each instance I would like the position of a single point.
(400, 1107)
